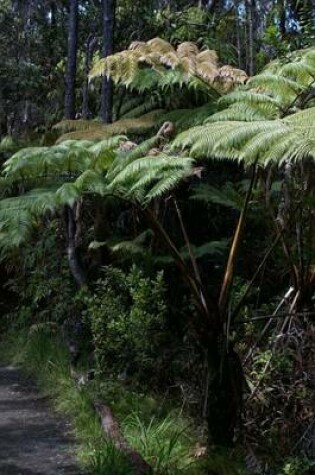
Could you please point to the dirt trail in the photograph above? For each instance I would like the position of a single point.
(33, 439)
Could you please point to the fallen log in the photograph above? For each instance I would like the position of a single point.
(112, 431)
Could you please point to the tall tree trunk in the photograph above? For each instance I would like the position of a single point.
(109, 8)
(90, 45)
(282, 18)
(72, 60)
(250, 14)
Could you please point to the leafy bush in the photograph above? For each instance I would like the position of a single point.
(41, 282)
(127, 313)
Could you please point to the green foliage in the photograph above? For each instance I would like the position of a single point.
(42, 284)
(265, 142)
(127, 313)
(165, 441)
(63, 174)
(297, 466)
(164, 444)
(42, 355)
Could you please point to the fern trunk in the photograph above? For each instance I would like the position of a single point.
(225, 394)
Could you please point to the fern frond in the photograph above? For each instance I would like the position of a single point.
(37, 201)
(208, 56)
(91, 181)
(76, 125)
(159, 45)
(245, 112)
(185, 118)
(149, 65)
(304, 121)
(70, 157)
(227, 196)
(167, 181)
(208, 250)
(151, 164)
(107, 144)
(143, 108)
(249, 97)
(282, 88)
(259, 141)
(139, 125)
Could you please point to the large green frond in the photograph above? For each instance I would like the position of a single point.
(244, 111)
(228, 195)
(69, 158)
(258, 141)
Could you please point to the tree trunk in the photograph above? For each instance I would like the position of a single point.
(225, 391)
(113, 433)
(72, 60)
(109, 7)
(282, 18)
(90, 45)
(71, 219)
(250, 13)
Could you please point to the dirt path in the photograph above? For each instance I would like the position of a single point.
(33, 440)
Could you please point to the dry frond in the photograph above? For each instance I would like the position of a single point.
(236, 75)
(188, 64)
(131, 126)
(209, 56)
(170, 59)
(128, 67)
(161, 46)
(207, 71)
(139, 45)
(187, 49)
(76, 125)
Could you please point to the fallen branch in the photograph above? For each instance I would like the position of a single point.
(112, 432)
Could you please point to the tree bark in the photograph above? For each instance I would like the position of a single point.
(250, 13)
(71, 219)
(72, 60)
(112, 431)
(109, 8)
(90, 45)
(225, 394)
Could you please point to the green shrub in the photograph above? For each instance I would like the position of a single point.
(127, 313)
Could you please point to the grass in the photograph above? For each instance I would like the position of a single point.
(164, 440)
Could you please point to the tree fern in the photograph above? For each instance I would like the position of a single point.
(263, 141)
(158, 64)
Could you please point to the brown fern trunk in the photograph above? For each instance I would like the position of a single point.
(225, 391)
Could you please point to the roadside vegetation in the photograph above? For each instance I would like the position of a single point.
(157, 238)
(161, 434)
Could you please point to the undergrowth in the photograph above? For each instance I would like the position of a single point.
(163, 437)
(164, 440)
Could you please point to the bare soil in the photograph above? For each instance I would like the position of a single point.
(33, 439)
